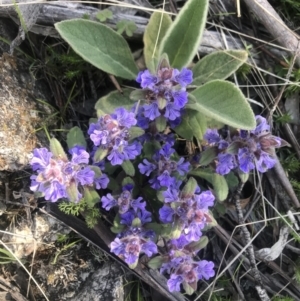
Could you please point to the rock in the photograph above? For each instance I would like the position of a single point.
(20, 115)
(104, 284)
(29, 236)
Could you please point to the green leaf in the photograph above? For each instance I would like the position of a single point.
(108, 103)
(96, 170)
(155, 262)
(117, 226)
(193, 124)
(91, 197)
(127, 181)
(232, 180)
(224, 102)
(135, 132)
(100, 154)
(218, 182)
(57, 150)
(218, 65)
(208, 156)
(72, 192)
(75, 137)
(205, 174)
(196, 246)
(220, 187)
(189, 188)
(183, 37)
(149, 148)
(99, 45)
(126, 25)
(104, 14)
(161, 123)
(155, 31)
(188, 289)
(128, 168)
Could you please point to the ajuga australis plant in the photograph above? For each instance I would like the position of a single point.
(140, 140)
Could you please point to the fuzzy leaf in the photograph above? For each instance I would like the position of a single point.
(57, 150)
(72, 192)
(189, 188)
(220, 187)
(218, 182)
(100, 154)
(108, 103)
(128, 168)
(224, 102)
(75, 137)
(155, 31)
(155, 262)
(183, 37)
(135, 132)
(218, 65)
(205, 174)
(232, 180)
(196, 246)
(193, 124)
(160, 123)
(208, 156)
(91, 197)
(99, 45)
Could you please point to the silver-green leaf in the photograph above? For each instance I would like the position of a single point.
(154, 33)
(183, 37)
(108, 103)
(223, 101)
(218, 65)
(99, 45)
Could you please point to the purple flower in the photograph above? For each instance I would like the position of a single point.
(85, 176)
(174, 283)
(212, 136)
(54, 191)
(164, 168)
(188, 210)
(41, 158)
(111, 134)
(60, 178)
(205, 269)
(146, 167)
(124, 118)
(226, 164)
(149, 248)
(245, 159)
(101, 182)
(171, 195)
(247, 150)
(151, 111)
(79, 155)
(172, 112)
(265, 162)
(165, 93)
(108, 202)
(185, 77)
(166, 214)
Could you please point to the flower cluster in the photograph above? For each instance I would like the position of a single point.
(135, 239)
(165, 168)
(111, 136)
(247, 150)
(165, 94)
(124, 201)
(187, 209)
(60, 178)
(181, 267)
